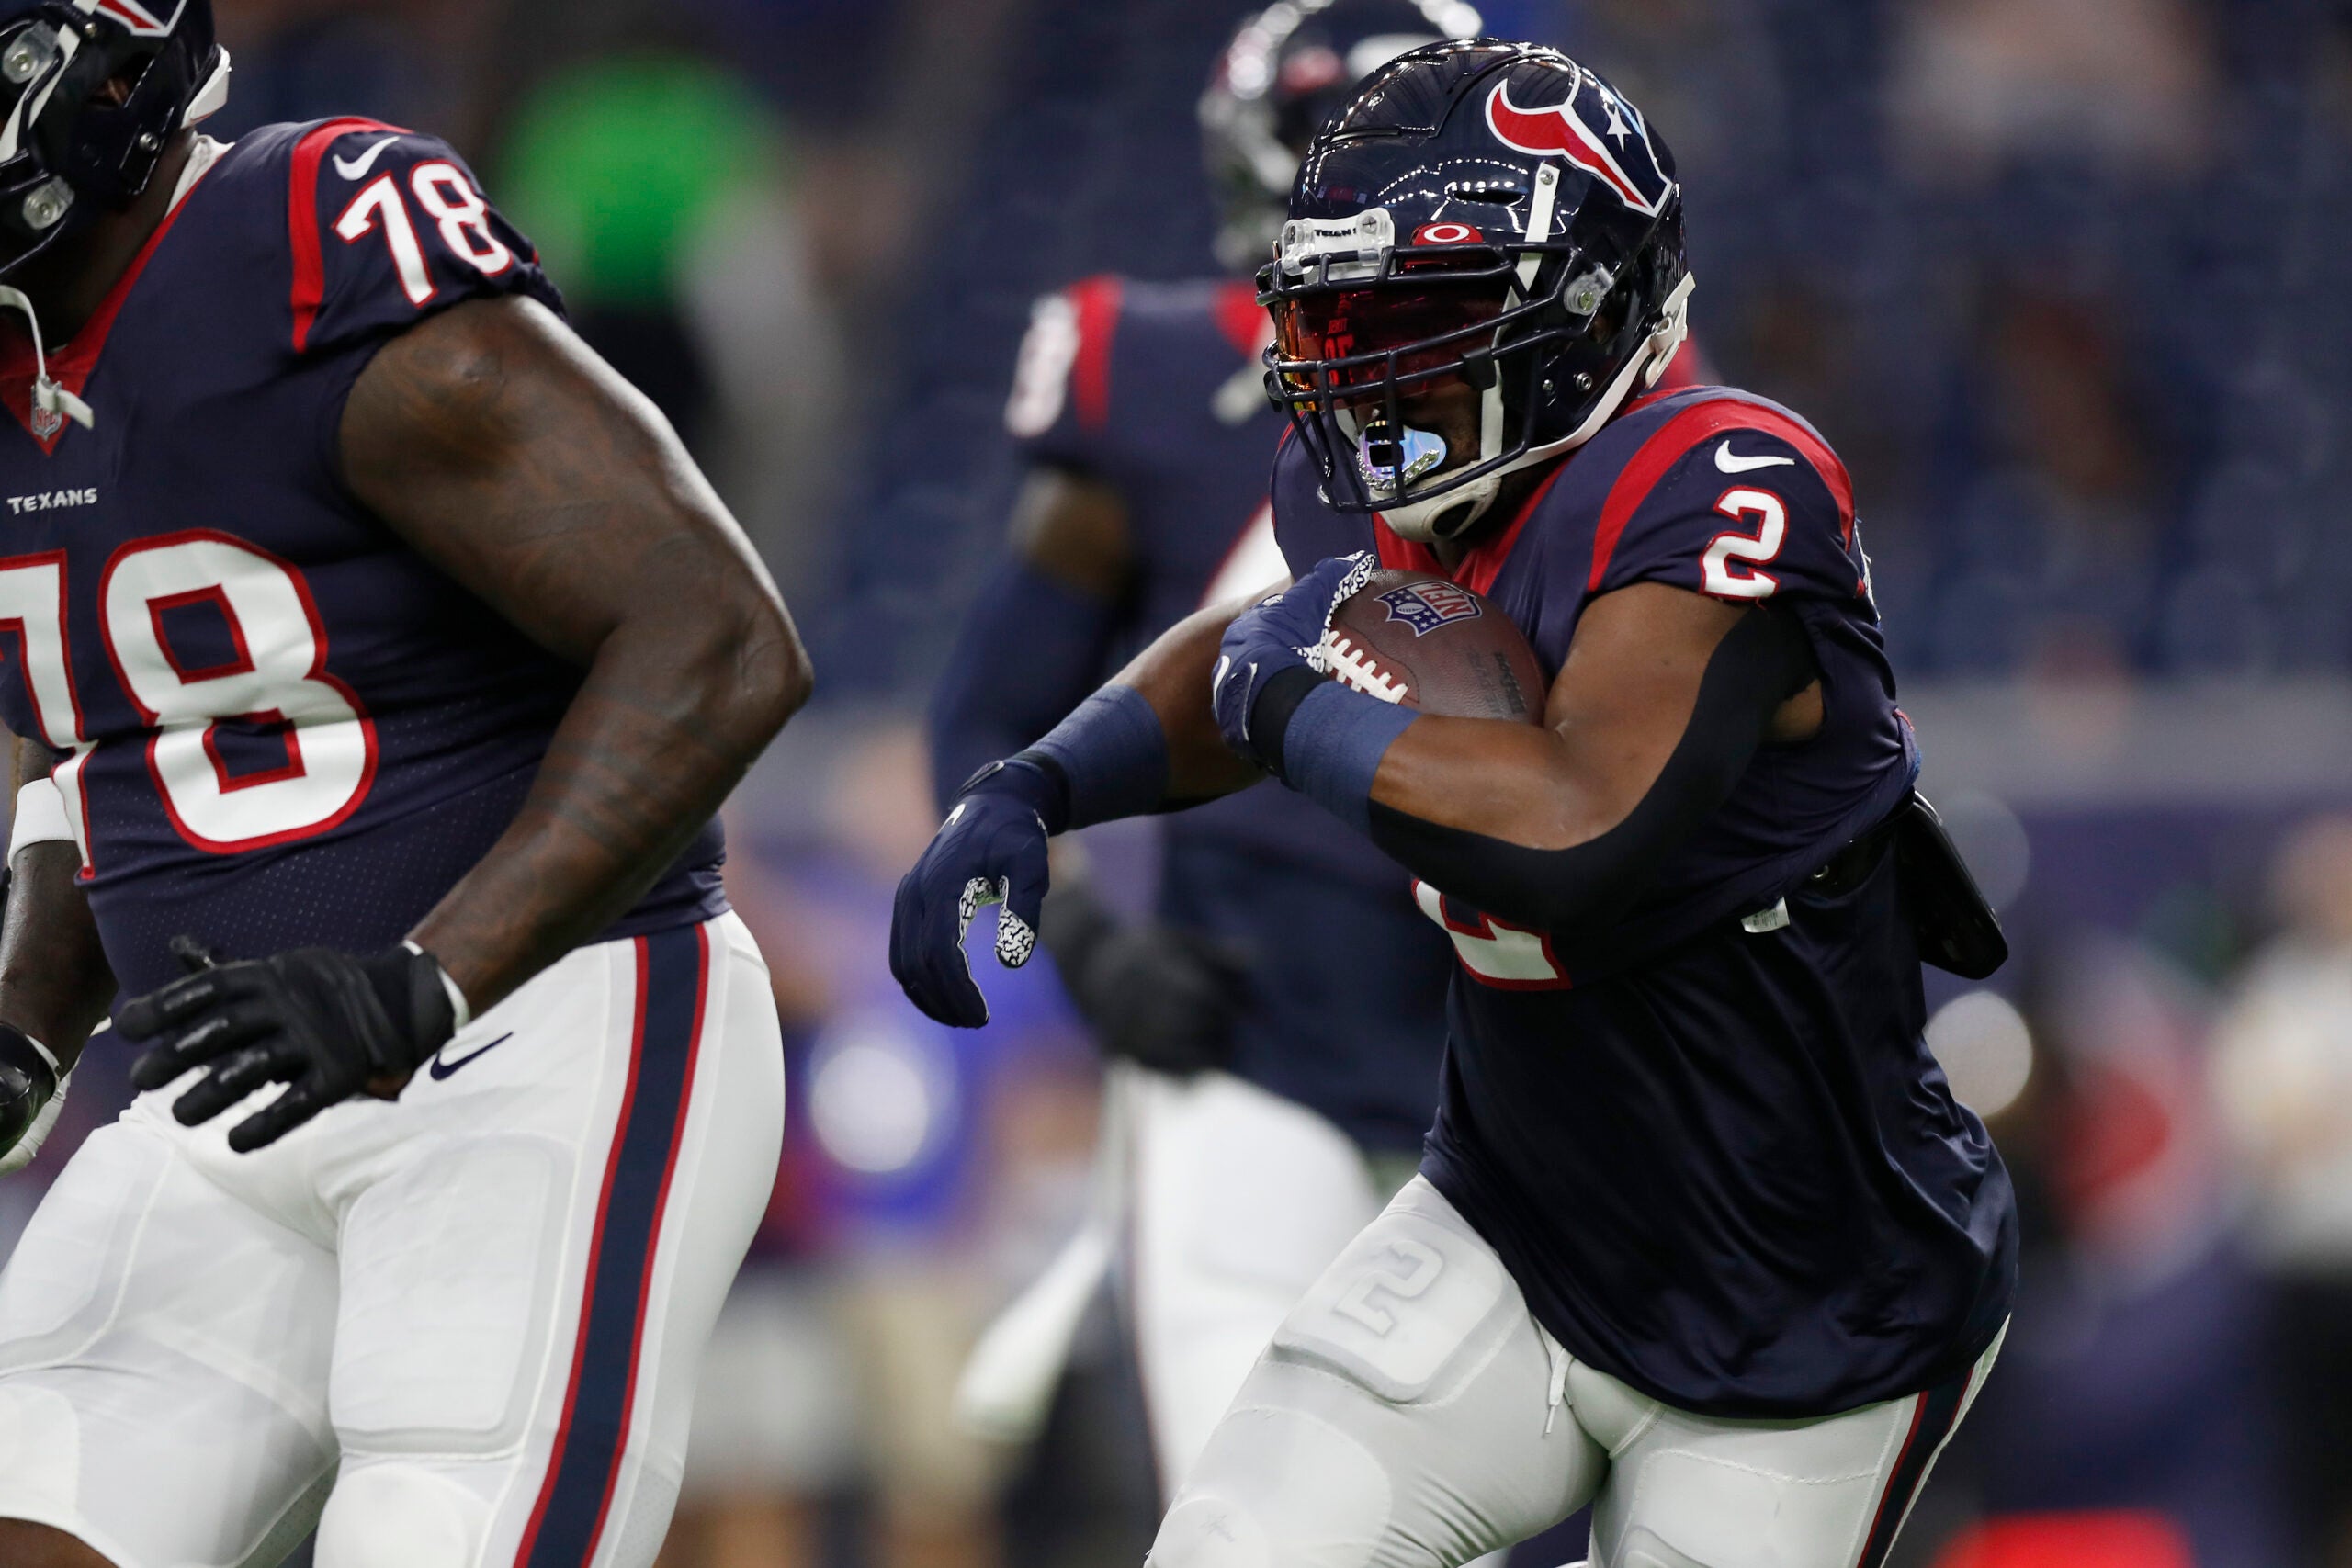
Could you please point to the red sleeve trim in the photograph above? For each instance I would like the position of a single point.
(1674, 440)
(303, 218)
(1097, 303)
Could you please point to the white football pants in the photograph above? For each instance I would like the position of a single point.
(467, 1322)
(1410, 1414)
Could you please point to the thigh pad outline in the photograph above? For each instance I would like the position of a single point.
(1401, 1306)
(68, 1274)
(450, 1275)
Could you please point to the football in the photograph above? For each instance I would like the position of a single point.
(1429, 644)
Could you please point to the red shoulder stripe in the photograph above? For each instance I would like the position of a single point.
(303, 218)
(1674, 440)
(1097, 301)
(1242, 319)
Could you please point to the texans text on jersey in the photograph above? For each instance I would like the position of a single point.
(49, 500)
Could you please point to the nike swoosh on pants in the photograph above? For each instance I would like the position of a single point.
(441, 1066)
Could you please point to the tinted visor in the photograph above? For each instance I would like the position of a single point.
(1428, 327)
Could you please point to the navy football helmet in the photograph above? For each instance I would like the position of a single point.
(92, 91)
(1488, 211)
(1290, 68)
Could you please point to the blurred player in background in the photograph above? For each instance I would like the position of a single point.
(1701, 1237)
(1285, 1011)
(380, 659)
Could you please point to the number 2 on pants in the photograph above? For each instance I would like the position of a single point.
(1422, 1265)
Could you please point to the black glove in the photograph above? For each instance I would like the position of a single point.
(27, 1085)
(1155, 994)
(326, 1023)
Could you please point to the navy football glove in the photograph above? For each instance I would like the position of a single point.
(326, 1024)
(1283, 632)
(991, 849)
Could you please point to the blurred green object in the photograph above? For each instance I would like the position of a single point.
(613, 166)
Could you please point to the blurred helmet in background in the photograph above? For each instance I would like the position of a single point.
(68, 149)
(1290, 68)
(1484, 212)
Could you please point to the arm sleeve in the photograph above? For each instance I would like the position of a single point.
(1760, 662)
(1031, 649)
(389, 227)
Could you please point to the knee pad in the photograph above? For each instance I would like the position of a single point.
(396, 1514)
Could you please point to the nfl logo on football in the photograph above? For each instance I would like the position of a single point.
(1425, 606)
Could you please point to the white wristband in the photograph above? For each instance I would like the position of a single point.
(458, 1005)
(40, 817)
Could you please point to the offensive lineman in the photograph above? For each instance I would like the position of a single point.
(1701, 1236)
(1277, 1109)
(393, 658)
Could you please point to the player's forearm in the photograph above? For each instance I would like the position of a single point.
(55, 984)
(1172, 675)
(1553, 829)
(1514, 820)
(1146, 743)
(672, 714)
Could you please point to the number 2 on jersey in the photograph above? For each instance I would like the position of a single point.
(1771, 518)
(274, 678)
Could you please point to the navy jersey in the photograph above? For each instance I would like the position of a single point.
(1720, 1162)
(280, 726)
(1154, 389)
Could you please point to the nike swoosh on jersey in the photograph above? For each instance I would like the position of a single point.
(441, 1066)
(352, 168)
(1734, 465)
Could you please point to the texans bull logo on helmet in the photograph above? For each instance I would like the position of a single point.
(1583, 130)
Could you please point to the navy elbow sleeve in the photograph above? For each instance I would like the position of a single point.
(1761, 663)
